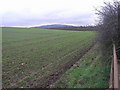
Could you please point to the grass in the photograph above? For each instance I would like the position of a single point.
(31, 56)
(90, 72)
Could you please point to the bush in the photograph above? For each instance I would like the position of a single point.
(109, 27)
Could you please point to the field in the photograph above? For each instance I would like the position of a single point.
(88, 72)
(39, 57)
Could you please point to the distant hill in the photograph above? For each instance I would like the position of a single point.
(52, 26)
(68, 27)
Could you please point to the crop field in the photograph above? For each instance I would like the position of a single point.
(88, 72)
(34, 57)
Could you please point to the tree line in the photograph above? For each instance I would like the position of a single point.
(109, 27)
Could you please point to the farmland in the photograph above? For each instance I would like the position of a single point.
(88, 72)
(34, 57)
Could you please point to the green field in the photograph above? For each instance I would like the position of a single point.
(39, 57)
(91, 71)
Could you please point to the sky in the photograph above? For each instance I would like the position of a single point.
(27, 13)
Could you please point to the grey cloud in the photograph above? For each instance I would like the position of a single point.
(15, 19)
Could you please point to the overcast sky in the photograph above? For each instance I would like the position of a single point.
(40, 12)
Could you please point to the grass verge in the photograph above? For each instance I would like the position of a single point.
(90, 72)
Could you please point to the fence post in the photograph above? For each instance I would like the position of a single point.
(115, 68)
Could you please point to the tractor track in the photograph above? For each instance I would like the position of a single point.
(57, 75)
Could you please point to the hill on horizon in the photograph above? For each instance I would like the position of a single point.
(52, 26)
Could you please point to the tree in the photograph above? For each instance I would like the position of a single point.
(109, 27)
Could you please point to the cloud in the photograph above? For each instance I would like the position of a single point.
(13, 19)
(37, 12)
